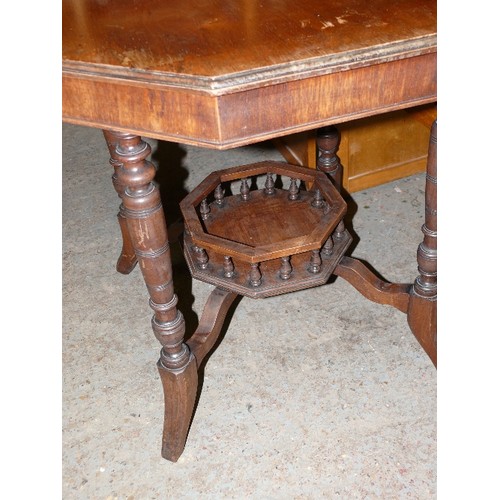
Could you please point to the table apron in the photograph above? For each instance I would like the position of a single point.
(247, 116)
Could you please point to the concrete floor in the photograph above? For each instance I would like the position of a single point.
(315, 394)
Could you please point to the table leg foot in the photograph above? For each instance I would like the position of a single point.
(422, 319)
(180, 384)
(179, 389)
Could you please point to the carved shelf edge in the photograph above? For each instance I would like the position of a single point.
(272, 284)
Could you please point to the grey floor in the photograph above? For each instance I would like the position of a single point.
(316, 394)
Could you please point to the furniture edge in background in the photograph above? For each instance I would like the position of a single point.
(373, 150)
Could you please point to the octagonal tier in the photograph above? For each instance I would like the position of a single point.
(267, 240)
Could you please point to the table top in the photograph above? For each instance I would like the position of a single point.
(213, 72)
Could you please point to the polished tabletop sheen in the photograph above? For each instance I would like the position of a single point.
(214, 38)
(176, 49)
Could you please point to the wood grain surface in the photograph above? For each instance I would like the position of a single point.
(223, 74)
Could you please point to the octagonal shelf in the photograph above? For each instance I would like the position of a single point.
(268, 240)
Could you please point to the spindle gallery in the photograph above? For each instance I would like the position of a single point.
(265, 241)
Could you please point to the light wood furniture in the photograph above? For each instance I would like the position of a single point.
(225, 74)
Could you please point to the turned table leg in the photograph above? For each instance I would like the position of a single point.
(127, 259)
(327, 160)
(422, 308)
(418, 300)
(147, 229)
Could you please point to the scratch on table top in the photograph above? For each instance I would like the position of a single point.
(327, 24)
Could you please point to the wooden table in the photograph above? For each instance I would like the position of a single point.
(223, 74)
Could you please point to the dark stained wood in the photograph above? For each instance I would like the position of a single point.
(327, 141)
(228, 267)
(315, 262)
(371, 286)
(273, 283)
(223, 74)
(269, 186)
(265, 241)
(226, 64)
(293, 190)
(285, 269)
(263, 226)
(127, 260)
(180, 386)
(201, 257)
(422, 311)
(179, 390)
(284, 219)
(418, 301)
(148, 233)
(211, 322)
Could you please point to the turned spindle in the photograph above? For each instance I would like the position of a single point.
(327, 160)
(318, 199)
(244, 190)
(269, 186)
(315, 262)
(339, 230)
(255, 275)
(293, 190)
(204, 209)
(328, 246)
(219, 195)
(286, 268)
(201, 257)
(228, 267)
